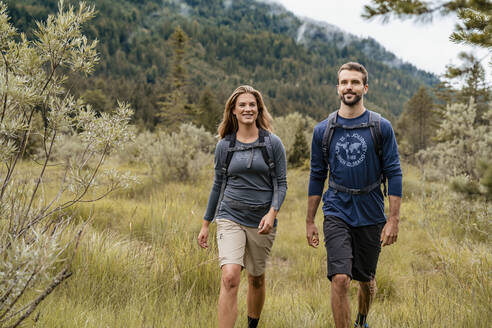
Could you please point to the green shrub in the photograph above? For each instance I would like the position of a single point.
(173, 156)
(300, 150)
(285, 125)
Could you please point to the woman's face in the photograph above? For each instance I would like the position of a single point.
(246, 109)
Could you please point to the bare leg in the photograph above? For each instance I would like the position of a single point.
(227, 312)
(340, 300)
(366, 294)
(256, 295)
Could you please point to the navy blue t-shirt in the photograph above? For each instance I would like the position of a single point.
(355, 164)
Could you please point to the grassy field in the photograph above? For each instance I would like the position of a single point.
(138, 264)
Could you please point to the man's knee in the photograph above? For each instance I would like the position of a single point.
(257, 282)
(341, 282)
(369, 286)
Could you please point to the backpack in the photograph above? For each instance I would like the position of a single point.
(265, 145)
(374, 124)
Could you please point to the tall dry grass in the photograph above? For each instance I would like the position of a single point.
(138, 264)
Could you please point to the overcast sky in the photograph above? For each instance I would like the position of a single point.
(427, 46)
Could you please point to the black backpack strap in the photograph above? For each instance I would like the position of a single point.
(353, 191)
(225, 161)
(328, 135)
(269, 158)
(231, 139)
(265, 144)
(377, 138)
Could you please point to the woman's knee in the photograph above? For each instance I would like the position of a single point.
(230, 277)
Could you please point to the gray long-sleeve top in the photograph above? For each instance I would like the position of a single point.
(248, 182)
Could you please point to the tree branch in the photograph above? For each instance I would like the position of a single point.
(38, 182)
(4, 109)
(62, 276)
(67, 204)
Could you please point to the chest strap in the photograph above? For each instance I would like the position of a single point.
(354, 191)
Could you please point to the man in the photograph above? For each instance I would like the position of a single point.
(360, 150)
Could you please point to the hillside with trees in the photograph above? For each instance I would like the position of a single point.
(293, 61)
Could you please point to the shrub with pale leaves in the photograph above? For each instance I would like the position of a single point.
(34, 240)
(173, 156)
(285, 128)
(461, 145)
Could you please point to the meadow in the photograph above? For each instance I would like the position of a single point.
(138, 263)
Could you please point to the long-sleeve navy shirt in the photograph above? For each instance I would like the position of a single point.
(355, 164)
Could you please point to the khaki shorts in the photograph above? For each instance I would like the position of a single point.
(243, 245)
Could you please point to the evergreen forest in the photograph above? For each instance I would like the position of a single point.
(292, 61)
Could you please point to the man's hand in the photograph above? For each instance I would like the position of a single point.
(390, 229)
(389, 235)
(312, 234)
(311, 230)
(203, 235)
(266, 223)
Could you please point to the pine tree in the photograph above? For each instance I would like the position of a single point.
(475, 84)
(417, 122)
(175, 108)
(210, 110)
(445, 94)
(300, 149)
(474, 28)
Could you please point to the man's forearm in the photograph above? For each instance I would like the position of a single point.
(394, 207)
(313, 203)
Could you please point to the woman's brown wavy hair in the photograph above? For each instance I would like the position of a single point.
(229, 123)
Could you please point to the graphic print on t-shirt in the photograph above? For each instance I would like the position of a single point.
(243, 155)
(351, 149)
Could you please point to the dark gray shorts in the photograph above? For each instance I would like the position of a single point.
(353, 251)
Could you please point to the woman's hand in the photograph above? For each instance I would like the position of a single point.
(203, 235)
(266, 223)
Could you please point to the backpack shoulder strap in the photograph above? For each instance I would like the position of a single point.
(269, 158)
(229, 151)
(328, 135)
(377, 138)
(266, 147)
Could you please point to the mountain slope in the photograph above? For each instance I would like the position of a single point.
(292, 60)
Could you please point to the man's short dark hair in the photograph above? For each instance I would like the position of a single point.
(353, 66)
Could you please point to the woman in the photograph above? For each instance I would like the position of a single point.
(249, 188)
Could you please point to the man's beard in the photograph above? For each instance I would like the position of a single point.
(352, 102)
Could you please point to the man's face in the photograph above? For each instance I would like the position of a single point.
(350, 87)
